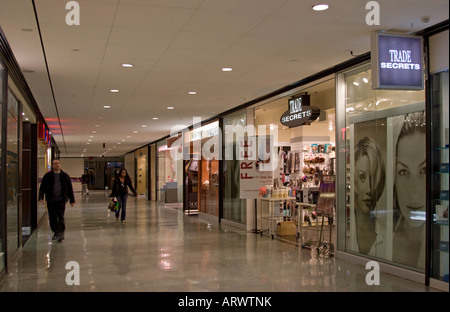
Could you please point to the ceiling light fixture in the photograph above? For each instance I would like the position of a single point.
(114, 90)
(320, 7)
(170, 107)
(127, 65)
(155, 118)
(192, 92)
(106, 106)
(227, 69)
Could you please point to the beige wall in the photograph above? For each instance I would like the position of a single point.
(74, 167)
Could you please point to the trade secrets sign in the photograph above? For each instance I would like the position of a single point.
(397, 62)
(299, 112)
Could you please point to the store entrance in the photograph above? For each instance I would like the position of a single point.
(300, 203)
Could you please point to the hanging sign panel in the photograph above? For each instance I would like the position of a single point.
(397, 62)
(299, 112)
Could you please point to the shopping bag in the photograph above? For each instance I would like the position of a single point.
(112, 206)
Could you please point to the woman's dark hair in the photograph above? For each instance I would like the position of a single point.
(127, 176)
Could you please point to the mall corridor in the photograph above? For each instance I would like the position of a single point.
(160, 249)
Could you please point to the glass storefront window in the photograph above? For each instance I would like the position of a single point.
(2, 209)
(439, 179)
(12, 174)
(201, 165)
(234, 208)
(42, 169)
(385, 171)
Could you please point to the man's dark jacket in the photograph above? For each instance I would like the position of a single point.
(47, 187)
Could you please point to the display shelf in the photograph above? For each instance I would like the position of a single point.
(271, 215)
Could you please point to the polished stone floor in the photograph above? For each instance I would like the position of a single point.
(160, 249)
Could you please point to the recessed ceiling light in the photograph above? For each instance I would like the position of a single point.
(144, 126)
(135, 131)
(114, 90)
(320, 7)
(227, 69)
(356, 83)
(170, 107)
(192, 92)
(106, 106)
(155, 118)
(127, 65)
(365, 80)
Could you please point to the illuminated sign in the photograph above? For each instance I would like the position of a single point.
(43, 134)
(397, 62)
(299, 112)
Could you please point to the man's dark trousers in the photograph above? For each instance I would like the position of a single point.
(56, 216)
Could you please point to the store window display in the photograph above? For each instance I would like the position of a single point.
(369, 185)
(306, 166)
(409, 191)
(234, 208)
(385, 172)
(202, 170)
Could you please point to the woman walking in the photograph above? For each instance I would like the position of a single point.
(120, 191)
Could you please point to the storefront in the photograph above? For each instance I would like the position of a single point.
(201, 170)
(438, 261)
(374, 145)
(392, 193)
(301, 126)
(27, 149)
(169, 171)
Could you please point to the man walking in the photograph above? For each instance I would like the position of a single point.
(84, 184)
(57, 187)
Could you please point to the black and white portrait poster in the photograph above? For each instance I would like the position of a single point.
(387, 188)
(368, 178)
